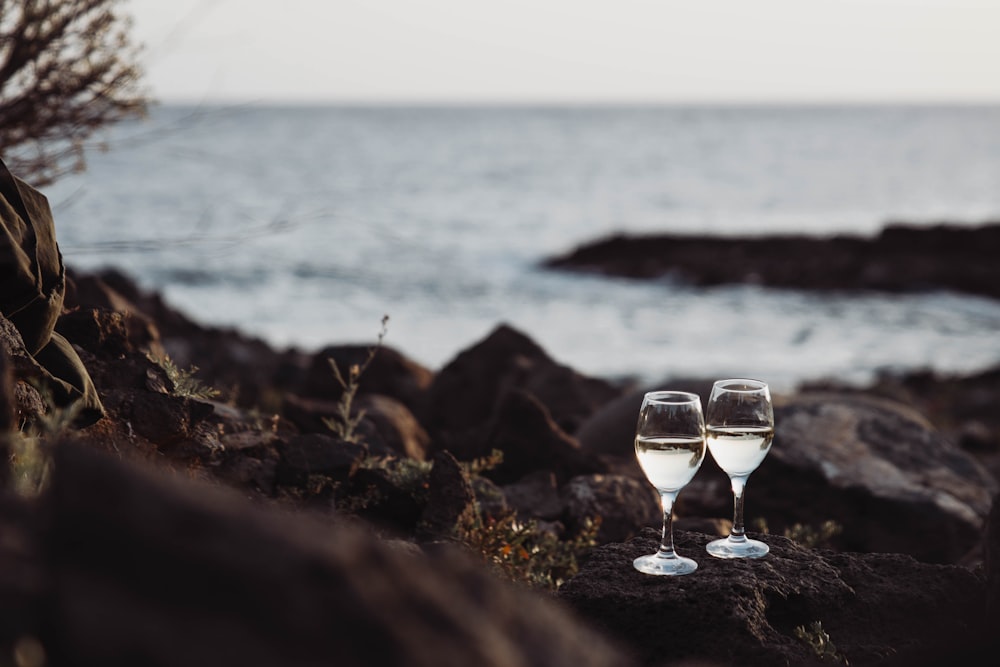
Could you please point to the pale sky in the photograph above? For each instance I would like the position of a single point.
(575, 51)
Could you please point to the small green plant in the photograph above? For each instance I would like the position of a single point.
(819, 641)
(345, 422)
(30, 464)
(520, 550)
(483, 463)
(185, 383)
(356, 502)
(523, 552)
(30, 458)
(57, 420)
(409, 475)
(814, 537)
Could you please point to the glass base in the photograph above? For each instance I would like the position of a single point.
(657, 564)
(741, 548)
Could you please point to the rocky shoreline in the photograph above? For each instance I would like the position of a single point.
(223, 516)
(901, 258)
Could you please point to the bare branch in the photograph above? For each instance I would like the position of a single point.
(67, 70)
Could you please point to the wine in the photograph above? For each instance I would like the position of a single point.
(669, 462)
(739, 449)
(740, 428)
(670, 446)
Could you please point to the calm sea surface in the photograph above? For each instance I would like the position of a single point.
(304, 225)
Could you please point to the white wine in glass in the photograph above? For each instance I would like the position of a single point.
(740, 428)
(670, 447)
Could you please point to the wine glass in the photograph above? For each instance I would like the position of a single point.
(670, 446)
(740, 425)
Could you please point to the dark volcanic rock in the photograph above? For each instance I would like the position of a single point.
(451, 501)
(465, 394)
(111, 289)
(247, 370)
(745, 612)
(166, 419)
(387, 499)
(98, 331)
(879, 469)
(309, 415)
(395, 425)
(535, 495)
(624, 505)
(900, 259)
(386, 424)
(991, 561)
(249, 460)
(530, 440)
(963, 407)
(117, 566)
(390, 373)
(317, 454)
(99, 316)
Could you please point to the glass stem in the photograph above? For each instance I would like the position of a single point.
(667, 540)
(738, 533)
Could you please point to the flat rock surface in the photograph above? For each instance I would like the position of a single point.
(874, 607)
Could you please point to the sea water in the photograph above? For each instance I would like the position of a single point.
(305, 225)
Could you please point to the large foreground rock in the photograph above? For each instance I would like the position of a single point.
(874, 607)
(114, 566)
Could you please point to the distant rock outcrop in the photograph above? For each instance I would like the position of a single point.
(900, 259)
